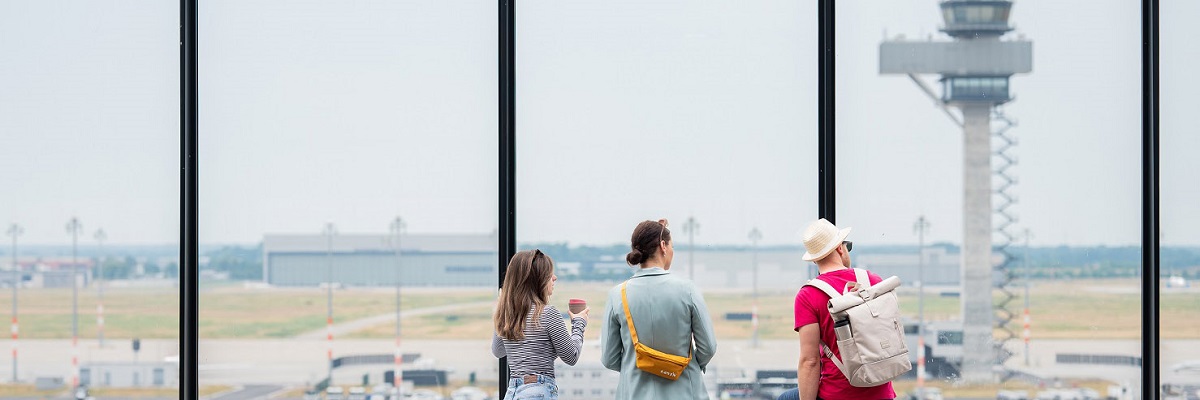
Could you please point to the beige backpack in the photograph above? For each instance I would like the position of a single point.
(869, 335)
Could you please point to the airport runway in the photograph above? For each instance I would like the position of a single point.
(264, 366)
(342, 329)
(250, 392)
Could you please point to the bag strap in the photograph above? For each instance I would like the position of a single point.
(628, 316)
(860, 275)
(829, 290)
(824, 286)
(836, 361)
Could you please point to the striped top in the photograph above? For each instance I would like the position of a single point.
(543, 343)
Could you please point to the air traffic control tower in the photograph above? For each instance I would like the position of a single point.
(975, 68)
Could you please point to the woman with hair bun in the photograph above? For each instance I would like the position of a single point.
(668, 315)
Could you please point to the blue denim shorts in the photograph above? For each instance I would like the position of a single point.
(542, 389)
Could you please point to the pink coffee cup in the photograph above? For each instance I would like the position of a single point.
(576, 305)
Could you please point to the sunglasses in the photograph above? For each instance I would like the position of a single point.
(849, 245)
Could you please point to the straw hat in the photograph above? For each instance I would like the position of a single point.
(821, 237)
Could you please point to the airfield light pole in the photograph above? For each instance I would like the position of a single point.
(755, 236)
(74, 228)
(398, 228)
(921, 226)
(14, 231)
(690, 227)
(329, 231)
(100, 237)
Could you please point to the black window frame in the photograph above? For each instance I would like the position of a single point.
(506, 179)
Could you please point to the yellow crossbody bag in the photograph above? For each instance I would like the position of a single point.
(663, 365)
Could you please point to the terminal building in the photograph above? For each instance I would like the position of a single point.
(470, 260)
(123, 374)
(781, 268)
(419, 260)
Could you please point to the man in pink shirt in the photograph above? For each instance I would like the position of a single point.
(818, 377)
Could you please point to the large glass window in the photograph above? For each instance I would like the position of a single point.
(348, 221)
(348, 204)
(1179, 302)
(89, 121)
(989, 216)
(701, 113)
(974, 89)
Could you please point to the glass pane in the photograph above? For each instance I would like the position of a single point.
(349, 202)
(630, 111)
(975, 14)
(1180, 214)
(89, 115)
(1039, 218)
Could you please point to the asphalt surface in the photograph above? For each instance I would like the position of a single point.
(250, 392)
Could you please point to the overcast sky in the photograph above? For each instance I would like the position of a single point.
(315, 111)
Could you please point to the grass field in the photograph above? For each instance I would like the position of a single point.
(238, 313)
(951, 390)
(1099, 309)
(25, 390)
(224, 313)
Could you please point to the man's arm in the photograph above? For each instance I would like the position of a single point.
(808, 373)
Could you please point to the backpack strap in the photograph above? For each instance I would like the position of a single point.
(824, 286)
(833, 293)
(836, 361)
(860, 275)
(628, 316)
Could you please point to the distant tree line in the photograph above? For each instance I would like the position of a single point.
(126, 267)
(240, 262)
(1107, 262)
(1060, 262)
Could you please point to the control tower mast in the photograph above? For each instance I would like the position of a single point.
(975, 68)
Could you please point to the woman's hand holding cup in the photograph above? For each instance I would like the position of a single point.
(578, 308)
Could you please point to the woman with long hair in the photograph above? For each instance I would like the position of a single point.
(530, 331)
(655, 313)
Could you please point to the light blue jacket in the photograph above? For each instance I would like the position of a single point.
(669, 314)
